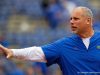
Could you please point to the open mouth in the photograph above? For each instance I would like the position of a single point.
(73, 27)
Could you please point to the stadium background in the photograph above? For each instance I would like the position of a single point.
(25, 23)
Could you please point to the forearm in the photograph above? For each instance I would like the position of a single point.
(31, 53)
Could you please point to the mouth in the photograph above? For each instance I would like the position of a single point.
(73, 28)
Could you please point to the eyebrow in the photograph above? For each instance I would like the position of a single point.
(76, 18)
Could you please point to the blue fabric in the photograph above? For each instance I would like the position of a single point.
(4, 43)
(73, 57)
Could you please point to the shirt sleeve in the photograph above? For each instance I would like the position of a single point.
(31, 53)
(52, 52)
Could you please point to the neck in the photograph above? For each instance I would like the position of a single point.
(87, 34)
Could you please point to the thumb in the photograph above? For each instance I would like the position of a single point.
(9, 56)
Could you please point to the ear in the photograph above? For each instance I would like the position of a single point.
(89, 20)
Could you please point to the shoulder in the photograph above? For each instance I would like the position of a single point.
(95, 37)
(65, 39)
(97, 34)
(61, 42)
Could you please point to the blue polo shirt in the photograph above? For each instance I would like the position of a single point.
(73, 57)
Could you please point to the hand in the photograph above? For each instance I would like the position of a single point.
(6, 51)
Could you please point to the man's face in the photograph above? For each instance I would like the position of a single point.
(79, 22)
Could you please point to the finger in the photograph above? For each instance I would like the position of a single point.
(8, 56)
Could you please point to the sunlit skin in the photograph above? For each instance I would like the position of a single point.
(81, 24)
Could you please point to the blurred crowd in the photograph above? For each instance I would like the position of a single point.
(25, 23)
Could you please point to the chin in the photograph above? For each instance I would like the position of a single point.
(76, 32)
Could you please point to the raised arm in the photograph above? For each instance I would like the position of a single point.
(31, 53)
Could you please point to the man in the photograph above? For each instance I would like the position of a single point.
(76, 55)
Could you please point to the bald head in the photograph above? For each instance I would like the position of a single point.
(87, 11)
(81, 21)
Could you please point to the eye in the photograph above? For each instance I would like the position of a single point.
(71, 18)
(75, 18)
